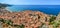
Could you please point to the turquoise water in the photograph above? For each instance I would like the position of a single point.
(48, 9)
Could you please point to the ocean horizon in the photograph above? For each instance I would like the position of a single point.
(48, 9)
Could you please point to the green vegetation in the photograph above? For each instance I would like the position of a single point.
(4, 5)
(1, 20)
(19, 26)
(54, 22)
(52, 18)
(9, 22)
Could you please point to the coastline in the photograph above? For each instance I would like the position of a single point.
(54, 10)
(16, 16)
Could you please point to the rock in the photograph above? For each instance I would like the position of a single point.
(45, 26)
(58, 17)
(0, 25)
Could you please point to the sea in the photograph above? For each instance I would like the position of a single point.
(48, 9)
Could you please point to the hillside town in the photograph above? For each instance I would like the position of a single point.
(28, 19)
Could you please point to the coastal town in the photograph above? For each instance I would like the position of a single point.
(28, 19)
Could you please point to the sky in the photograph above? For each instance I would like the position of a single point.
(31, 2)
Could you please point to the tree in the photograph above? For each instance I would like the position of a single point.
(4, 5)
